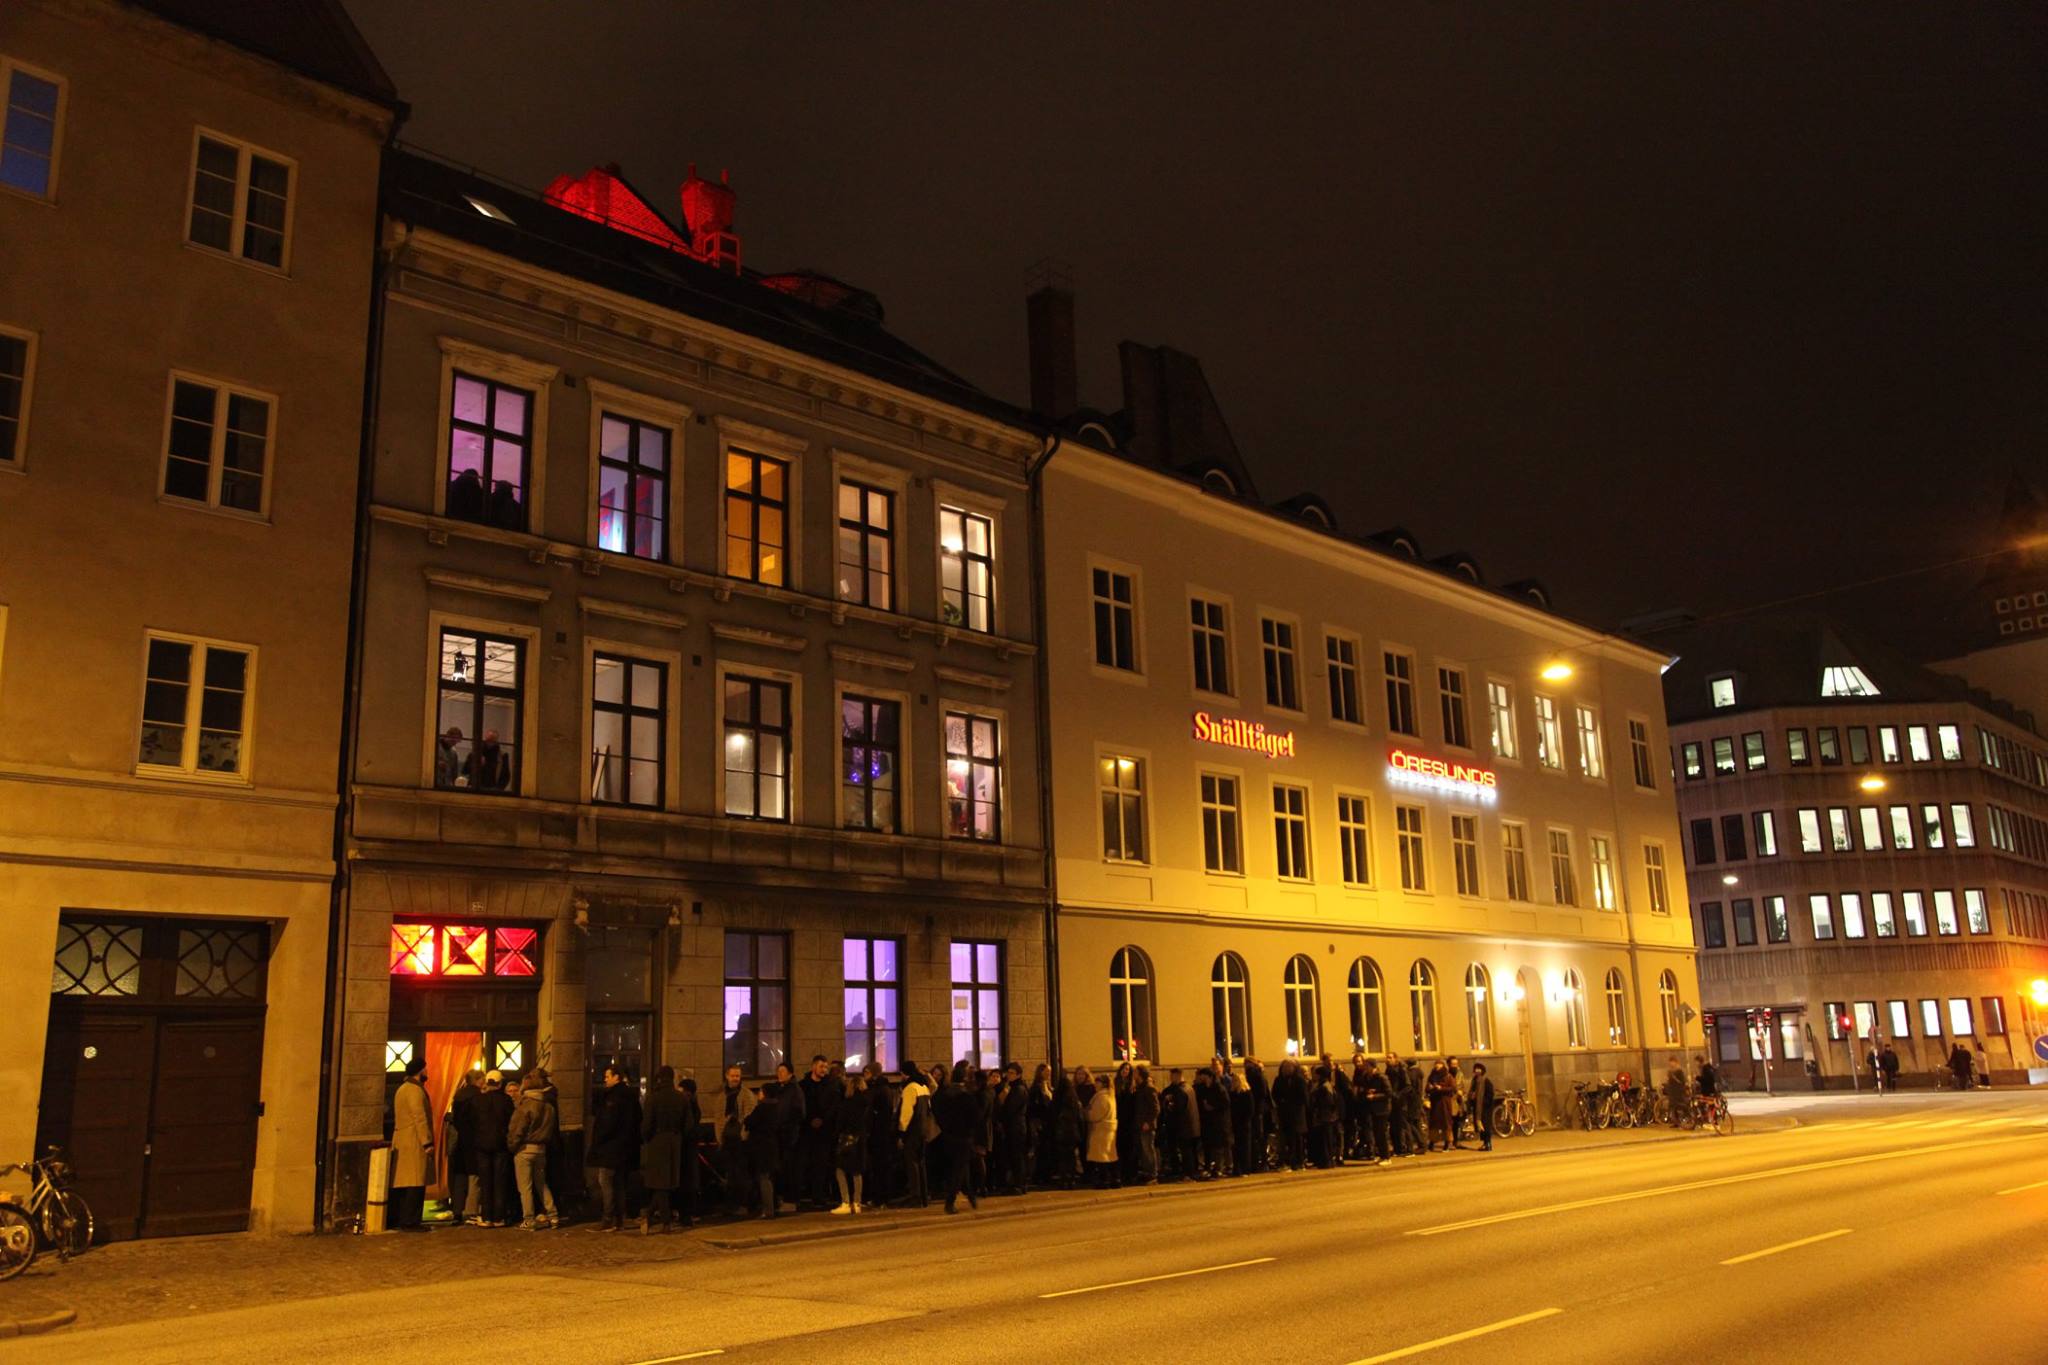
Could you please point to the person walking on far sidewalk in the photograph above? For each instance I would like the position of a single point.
(1960, 1063)
(533, 1127)
(1479, 1103)
(412, 1149)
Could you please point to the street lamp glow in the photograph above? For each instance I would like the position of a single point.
(1557, 670)
(2039, 990)
(1872, 782)
(1729, 879)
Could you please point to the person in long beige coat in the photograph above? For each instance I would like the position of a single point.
(1102, 1133)
(412, 1149)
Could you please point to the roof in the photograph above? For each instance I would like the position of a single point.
(315, 38)
(427, 192)
(1778, 661)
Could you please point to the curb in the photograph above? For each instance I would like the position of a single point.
(28, 1327)
(1011, 1207)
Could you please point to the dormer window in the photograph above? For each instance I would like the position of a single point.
(1721, 691)
(1316, 516)
(1216, 481)
(1848, 681)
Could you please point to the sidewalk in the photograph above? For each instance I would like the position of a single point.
(184, 1276)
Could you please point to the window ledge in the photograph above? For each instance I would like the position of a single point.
(211, 510)
(215, 253)
(149, 772)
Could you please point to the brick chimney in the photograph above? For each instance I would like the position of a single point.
(1049, 316)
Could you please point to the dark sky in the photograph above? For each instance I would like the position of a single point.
(1666, 305)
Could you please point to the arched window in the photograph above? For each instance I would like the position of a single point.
(1363, 991)
(1574, 1008)
(1422, 1006)
(1667, 1006)
(1130, 1007)
(1229, 999)
(1617, 1009)
(1479, 1007)
(1304, 1010)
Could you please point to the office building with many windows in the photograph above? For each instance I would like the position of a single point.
(1313, 793)
(696, 708)
(187, 203)
(1865, 840)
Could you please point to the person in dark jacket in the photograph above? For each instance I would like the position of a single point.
(1479, 1100)
(813, 1179)
(614, 1145)
(1037, 1119)
(668, 1160)
(488, 1158)
(915, 1127)
(1264, 1116)
(1144, 1118)
(459, 1140)
(885, 1160)
(852, 1113)
(765, 1147)
(1441, 1090)
(1961, 1064)
(790, 1126)
(1325, 1120)
(1341, 1084)
(1126, 1126)
(1375, 1100)
(732, 1104)
(1212, 1125)
(1414, 1099)
(1013, 1130)
(1397, 1088)
(958, 1113)
(1179, 1126)
(1290, 1110)
(1063, 1136)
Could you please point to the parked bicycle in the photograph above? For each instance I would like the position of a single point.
(1711, 1112)
(54, 1217)
(1512, 1115)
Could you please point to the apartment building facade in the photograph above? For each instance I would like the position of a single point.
(1867, 840)
(1313, 794)
(188, 202)
(697, 706)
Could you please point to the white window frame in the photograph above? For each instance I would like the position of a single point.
(243, 150)
(1202, 806)
(1344, 828)
(16, 461)
(906, 739)
(1463, 851)
(612, 400)
(1464, 677)
(754, 439)
(1551, 835)
(1515, 869)
(974, 503)
(1228, 606)
(1501, 719)
(1306, 873)
(1301, 677)
(1136, 674)
(672, 695)
(187, 769)
(1714, 694)
(1649, 753)
(850, 467)
(1414, 689)
(1421, 837)
(8, 66)
(1656, 877)
(1592, 742)
(946, 704)
(714, 740)
(533, 375)
(1549, 734)
(1143, 759)
(1605, 879)
(1358, 693)
(216, 461)
(529, 698)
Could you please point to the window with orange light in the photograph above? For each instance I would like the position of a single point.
(464, 951)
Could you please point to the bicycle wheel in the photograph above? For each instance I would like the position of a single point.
(67, 1223)
(1724, 1122)
(1525, 1121)
(17, 1241)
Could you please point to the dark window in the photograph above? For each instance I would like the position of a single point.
(1639, 755)
(490, 448)
(482, 698)
(628, 730)
(1745, 923)
(1116, 625)
(1713, 930)
(870, 745)
(1702, 842)
(1219, 824)
(1342, 656)
(1400, 671)
(1859, 744)
(13, 395)
(1276, 640)
(756, 1001)
(28, 133)
(1211, 639)
(756, 517)
(632, 487)
(867, 540)
(1450, 684)
(1829, 743)
(1734, 838)
(756, 748)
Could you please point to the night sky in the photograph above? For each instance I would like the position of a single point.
(1667, 306)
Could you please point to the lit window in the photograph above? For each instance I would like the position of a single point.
(1945, 921)
(756, 517)
(1354, 840)
(756, 1023)
(757, 748)
(1564, 881)
(1639, 755)
(628, 730)
(974, 773)
(1913, 906)
(1298, 993)
(1852, 915)
(1345, 702)
(1919, 746)
(1500, 707)
(241, 201)
(1976, 911)
(967, 569)
(1422, 1006)
(1120, 788)
(1653, 872)
(867, 545)
(1210, 638)
(1753, 750)
(217, 451)
(1795, 748)
(1695, 765)
(1400, 681)
(1465, 853)
(1617, 1009)
(1849, 681)
(1765, 826)
(1220, 840)
(978, 1002)
(490, 452)
(1902, 827)
(1809, 830)
(1574, 1008)
(1514, 842)
(1838, 828)
(1873, 828)
(397, 1056)
(1592, 750)
(481, 707)
(1479, 1007)
(1363, 991)
(1724, 756)
(1130, 1006)
(29, 129)
(1721, 692)
(1276, 650)
(195, 705)
(17, 372)
(1959, 1023)
(1777, 920)
(632, 487)
(1951, 744)
(1450, 690)
(509, 1057)
(464, 951)
(872, 1019)
(1549, 734)
(1603, 871)
(870, 740)
(1822, 912)
(516, 953)
(1408, 838)
(1882, 921)
(1116, 620)
(1930, 826)
(1290, 832)
(1230, 1007)
(1667, 1005)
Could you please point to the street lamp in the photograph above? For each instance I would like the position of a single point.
(1872, 782)
(1557, 670)
(1729, 879)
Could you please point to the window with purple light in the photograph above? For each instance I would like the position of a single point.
(489, 449)
(632, 487)
(756, 1001)
(873, 1017)
(977, 1002)
(870, 732)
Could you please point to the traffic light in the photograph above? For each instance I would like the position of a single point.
(1844, 1021)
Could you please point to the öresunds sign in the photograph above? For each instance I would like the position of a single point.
(1405, 769)
(1243, 734)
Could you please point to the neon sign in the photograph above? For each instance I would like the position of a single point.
(1424, 773)
(1243, 734)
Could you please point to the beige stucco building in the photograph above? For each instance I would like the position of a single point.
(1312, 793)
(187, 210)
(696, 703)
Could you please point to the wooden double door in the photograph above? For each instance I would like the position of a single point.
(157, 1111)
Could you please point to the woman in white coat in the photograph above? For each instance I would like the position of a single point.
(412, 1149)
(1102, 1134)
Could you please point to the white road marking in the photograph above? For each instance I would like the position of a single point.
(2021, 1189)
(1788, 1246)
(1152, 1279)
(671, 1360)
(1456, 1337)
(1717, 1181)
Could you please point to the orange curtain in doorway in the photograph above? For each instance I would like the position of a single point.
(448, 1056)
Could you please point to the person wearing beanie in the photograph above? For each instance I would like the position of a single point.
(412, 1149)
(489, 1158)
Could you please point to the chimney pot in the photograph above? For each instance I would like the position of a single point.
(1049, 319)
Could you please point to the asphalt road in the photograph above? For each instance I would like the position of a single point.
(1897, 1229)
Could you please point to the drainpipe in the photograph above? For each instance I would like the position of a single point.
(338, 907)
(1042, 671)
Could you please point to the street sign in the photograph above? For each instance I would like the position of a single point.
(2041, 1048)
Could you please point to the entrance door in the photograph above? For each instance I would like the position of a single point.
(618, 1040)
(99, 1071)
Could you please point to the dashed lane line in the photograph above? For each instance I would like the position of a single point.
(1454, 1338)
(1787, 1246)
(1153, 1279)
(2022, 1189)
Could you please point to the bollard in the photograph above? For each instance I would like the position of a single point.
(379, 1192)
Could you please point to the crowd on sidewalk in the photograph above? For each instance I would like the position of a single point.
(854, 1140)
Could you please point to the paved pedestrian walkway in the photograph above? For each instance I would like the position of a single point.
(184, 1276)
